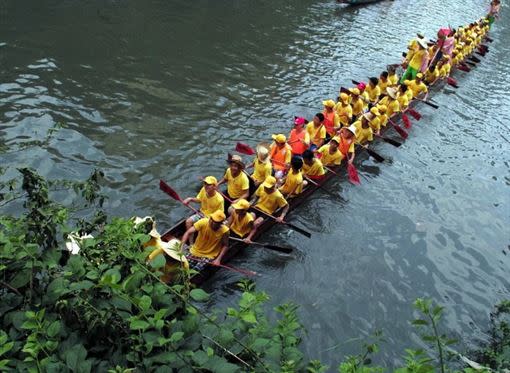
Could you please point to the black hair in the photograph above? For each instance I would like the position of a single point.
(403, 88)
(320, 116)
(308, 154)
(296, 162)
(384, 74)
(374, 80)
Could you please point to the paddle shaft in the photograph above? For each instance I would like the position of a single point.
(238, 270)
(297, 229)
(282, 249)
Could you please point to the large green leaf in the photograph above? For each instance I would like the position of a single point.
(199, 295)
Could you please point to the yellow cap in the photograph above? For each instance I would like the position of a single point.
(269, 182)
(328, 103)
(218, 216)
(279, 138)
(211, 180)
(382, 108)
(242, 204)
(374, 111)
(355, 91)
(419, 75)
(336, 139)
(344, 97)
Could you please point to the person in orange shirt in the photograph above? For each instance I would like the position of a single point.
(299, 139)
(280, 155)
(331, 119)
(347, 139)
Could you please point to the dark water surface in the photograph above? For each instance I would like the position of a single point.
(164, 89)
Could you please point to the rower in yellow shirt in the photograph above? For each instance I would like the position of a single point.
(269, 199)
(211, 243)
(261, 165)
(392, 76)
(364, 134)
(175, 260)
(373, 119)
(383, 82)
(312, 167)
(329, 153)
(417, 86)
(357, 103)
(382, 116)
(402, 97)
(431, 75)
(208, 197)
(344, 109)
(241, 222)
(390, 101)
(317, 131)
(293, 184)
(238, 184)
(373, 90)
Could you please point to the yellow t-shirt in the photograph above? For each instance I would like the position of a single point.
(208, 205)
(393, 79)
(445, 70)
(208, 241)
(241, 227)
(328, 159)
(417, 58)
(403, 101)
(392, 105)
(316, 134)
(416, 88)
(357, 107)
(383, 85)
(293, 183)
(261, 170)
(431, 76)
(364, 135)
(315, 169)
(269, 203)
(236, 186)
(383, 119)
(373, 93)
(375, 124)
(344, 113)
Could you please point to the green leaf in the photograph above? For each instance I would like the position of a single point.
(112, 276)
(21, 279)
(81, 285)
(6, 347)
(53, 329)
(220, 365)
(176, 337)
(138, 324)
(199, 295)
(249, 317)
(210, 352)
(201, 358)
(145, 302)
(418, 322)
(158, 262)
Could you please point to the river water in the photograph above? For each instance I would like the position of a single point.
(164, 89)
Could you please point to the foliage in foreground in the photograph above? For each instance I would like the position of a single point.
(106, 310)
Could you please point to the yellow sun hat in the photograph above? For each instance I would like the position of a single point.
(241, 204)
(218, 216)
(344, 97)
(279, 138)
(328, 103)
(211, 180)
(269, 182)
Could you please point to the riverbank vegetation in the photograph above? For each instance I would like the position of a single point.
(104, 309)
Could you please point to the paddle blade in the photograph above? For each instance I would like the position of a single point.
(168, 190)
(375, 155)
(354, 82)
(244, 149)
(406, 120)
(452, 82)
(353, 174)
(464, 68)
(401, 131)
(391, 141)
(414, 114)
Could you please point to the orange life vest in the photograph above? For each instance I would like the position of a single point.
(345, 145)
(329, 122)
(295, 142)
(278, 155)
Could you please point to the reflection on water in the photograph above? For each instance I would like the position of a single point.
(164, 90)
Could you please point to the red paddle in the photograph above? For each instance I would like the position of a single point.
(414, 113)
(244, 149)
(452, 82)
(406, 120)
(399, 129)
(353, 174)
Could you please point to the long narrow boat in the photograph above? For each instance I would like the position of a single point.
(235, 247)
(357, 2)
